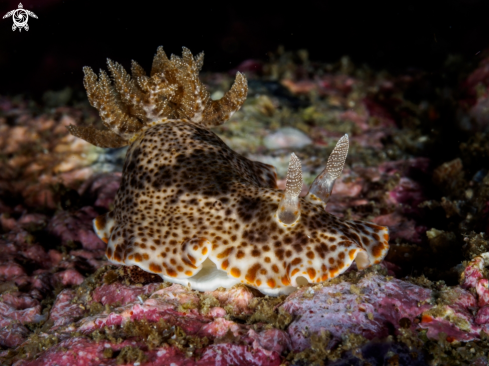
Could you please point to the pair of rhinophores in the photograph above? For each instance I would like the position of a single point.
(194, 211)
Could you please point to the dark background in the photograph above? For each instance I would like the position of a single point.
(71, 34)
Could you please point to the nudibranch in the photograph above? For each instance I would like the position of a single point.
(194, 211)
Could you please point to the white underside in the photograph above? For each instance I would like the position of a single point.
(209, 278)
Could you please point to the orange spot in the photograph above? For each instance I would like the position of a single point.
(196, 247)
(138, 257)
(282, 208)
(105, 240)
(204, 251)
(153, 267)
(386, 237)
(271, 283)
(225, 264)
(109, 252)
(377, 250)
(333, 272)
(188, 273)
(258, 282)
(275, 268)
(225, 253)
(235, 272)
(311, 272)
(131, 257)
(324, 278)
(426, 318)
(171, 272)
(285, 281)
(100, 222)
(251, 274)
(352, 253)
(145, 256)
(267, 260)
(294, 272)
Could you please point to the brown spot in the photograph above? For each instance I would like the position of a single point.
(310, 255)
(117, 256)
(195, 247)
(341, 255)
(251, 275)
(100, 222)
(180, 269)
(311, 272)
(191, 259)
(145, 256)
(225, 264)
(155, 268)
(296, 261)
(255, 253)
(240, 254)
(225, 253)
(138, 257)
(331, 260)
(109, 252)
(131, 257)
(235, 272)
(271, 283)
(263, 271)
(171, 272)
(275, 268)
(267, 260)
(333, 248)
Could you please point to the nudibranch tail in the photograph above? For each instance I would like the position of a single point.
(323, 184)
(289, 210)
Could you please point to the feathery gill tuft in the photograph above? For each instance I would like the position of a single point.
(172, 91)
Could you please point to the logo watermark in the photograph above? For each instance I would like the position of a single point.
(20, 17)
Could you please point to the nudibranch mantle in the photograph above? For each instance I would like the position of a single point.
(194, 211)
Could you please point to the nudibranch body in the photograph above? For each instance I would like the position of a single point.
(194, 211)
